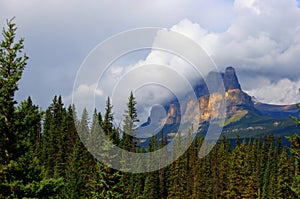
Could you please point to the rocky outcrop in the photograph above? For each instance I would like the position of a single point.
(209, 105)
(173, 116)
(236, 100)
(230, 79)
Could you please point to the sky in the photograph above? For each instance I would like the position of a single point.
(259, 38)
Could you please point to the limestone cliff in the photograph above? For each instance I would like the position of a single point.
(237, 101)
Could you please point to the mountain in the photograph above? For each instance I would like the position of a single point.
(244, 115)
(230, 79)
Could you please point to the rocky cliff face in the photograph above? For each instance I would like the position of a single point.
(237, 101)
(173, 116)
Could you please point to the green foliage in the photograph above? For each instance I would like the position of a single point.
(107, 181)
(295, 118)
(295, 151)
(128, 140)
(129, 143)
(107, 124)
(52, 161)
(54, 137)
(151, 189)
(178, 172)
(21, 171)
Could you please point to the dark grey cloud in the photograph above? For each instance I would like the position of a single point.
(261, 38)
(59, 34)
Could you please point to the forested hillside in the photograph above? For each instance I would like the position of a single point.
(42, 155)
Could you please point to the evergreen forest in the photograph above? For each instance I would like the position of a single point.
(42, 156)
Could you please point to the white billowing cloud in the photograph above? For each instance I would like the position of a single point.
(84, 95)
(84, 90)
(166, 72)
(263, 40)
(200, 35)
(282, 92)
(264, 37)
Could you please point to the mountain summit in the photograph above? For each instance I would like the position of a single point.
(230, 79)
(243, 115)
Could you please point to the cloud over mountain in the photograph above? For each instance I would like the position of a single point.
(263, 42)
(260, 38)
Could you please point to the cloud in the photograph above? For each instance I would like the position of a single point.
(261, 38)
(263, 41)
(284, 91)
(84, 90)
(59, 34)
(84, 96)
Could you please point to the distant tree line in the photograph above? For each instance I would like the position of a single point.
(42, 155)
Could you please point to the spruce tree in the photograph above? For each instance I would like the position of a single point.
(76, 181)
(178, 172)
(12, 64)
(151, 189)
(107, 123)
(55, 136)
(106, 183)
(237, 175)
(21, 173)
(284, 175)
(295, 150)
(129, 143)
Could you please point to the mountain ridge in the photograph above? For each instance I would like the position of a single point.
(243, 114)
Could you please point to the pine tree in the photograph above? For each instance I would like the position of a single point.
(21, 173)
(107, 124)
(295, 150)
(80, 163)
(139, 178)
(88, 162)
(55, 135)
(205, 173)
(163, 171)
(75, 179)
(237, 172)
(223, 156)
(26, 169)
(131, 118)
(12, 65)
(129, 143)
(151, 189)
(283, 177)
(106, 183)
(268, 173)
(250, 186)
(71, 120)
(178, 173)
